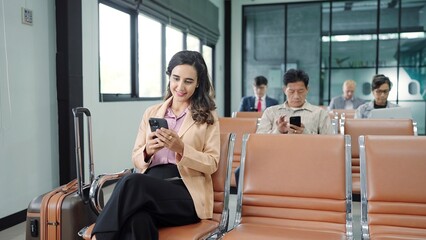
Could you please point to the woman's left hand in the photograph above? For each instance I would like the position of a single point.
(170, 140)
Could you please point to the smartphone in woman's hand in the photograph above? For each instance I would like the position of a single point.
(157, 123)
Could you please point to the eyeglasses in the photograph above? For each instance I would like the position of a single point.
(380, 92)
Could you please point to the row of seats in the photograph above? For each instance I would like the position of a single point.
(208, 228)
(350, 126)
(287, 192)
(280, 198)
(337, 117)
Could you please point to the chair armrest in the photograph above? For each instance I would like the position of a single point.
(96, 187)
(334, 125)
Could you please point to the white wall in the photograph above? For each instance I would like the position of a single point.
(28, 106)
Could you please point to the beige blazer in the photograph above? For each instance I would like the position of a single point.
(200, 156)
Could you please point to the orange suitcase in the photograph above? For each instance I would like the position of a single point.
(62, 212)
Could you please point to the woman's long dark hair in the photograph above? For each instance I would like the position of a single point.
(202, 101)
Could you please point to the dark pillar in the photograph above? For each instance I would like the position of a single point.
(227, 60)
(69, 79)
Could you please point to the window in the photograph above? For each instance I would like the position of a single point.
(150, 66)
(114, 50)
(208, 57)
(192, 43)
(136, 42)
(174, 42)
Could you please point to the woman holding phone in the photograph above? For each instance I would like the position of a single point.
(177, 162)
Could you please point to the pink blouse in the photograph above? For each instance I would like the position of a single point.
(165, 156)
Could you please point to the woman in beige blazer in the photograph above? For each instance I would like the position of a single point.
(177, 163)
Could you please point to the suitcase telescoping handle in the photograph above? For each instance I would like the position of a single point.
(77, 112)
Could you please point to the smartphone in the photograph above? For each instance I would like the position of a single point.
(157, 123)
(296, 120)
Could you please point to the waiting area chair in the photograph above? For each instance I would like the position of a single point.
(334, 117)
(294, 187)
(345, 113)
(247, 114)
(338, 117)
(206, 228)
(239, 126)
(393, 192)
(358, 127)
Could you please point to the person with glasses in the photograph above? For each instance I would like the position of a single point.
(260, 101)
(380, 86)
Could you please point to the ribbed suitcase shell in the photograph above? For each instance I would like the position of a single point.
(62, 212)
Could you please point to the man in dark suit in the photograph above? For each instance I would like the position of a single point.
(260, 101)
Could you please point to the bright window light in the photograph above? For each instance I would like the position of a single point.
(114, 50)
(369, 37)
(192, 43)
(174, 42)
(150, 68)
(208, 58)
(413, 35)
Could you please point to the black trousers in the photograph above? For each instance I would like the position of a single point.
(141, 203)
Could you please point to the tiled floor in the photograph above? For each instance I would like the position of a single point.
(17, 232)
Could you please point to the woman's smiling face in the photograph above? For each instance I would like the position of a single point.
(183, 82)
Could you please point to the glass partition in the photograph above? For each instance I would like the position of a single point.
(338, 40)
(264, 44)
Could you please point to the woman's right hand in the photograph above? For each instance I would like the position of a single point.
(153, 144)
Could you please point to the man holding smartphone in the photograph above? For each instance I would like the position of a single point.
(280, 119)
(296, 115)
